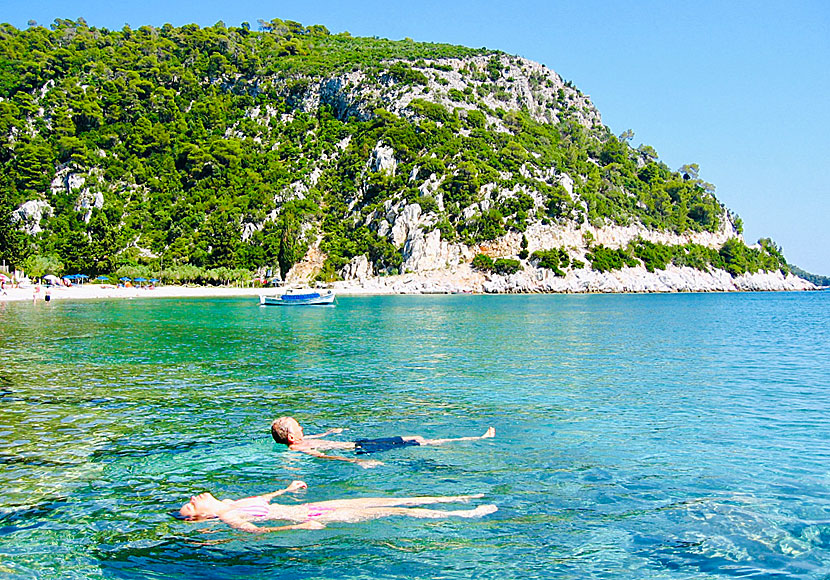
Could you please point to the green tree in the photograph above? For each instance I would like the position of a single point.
(222, 234)
(483, 262)
(292, 247)
(506, 266)
(734, 255)
(13, 246)
(37, 266)
(554, 259)
(463, 186)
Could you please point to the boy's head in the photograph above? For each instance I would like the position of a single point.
(286, 430)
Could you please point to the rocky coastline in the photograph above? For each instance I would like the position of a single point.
(464, 279)
(434, 266)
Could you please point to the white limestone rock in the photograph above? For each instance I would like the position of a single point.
(405, 223)
(359, 268)
(382, 159)
(66, 181)
(87, 201)
(568, 183)
(672, 279)
(383, 228)
(28, 215)
(248, 229)
(424, 252)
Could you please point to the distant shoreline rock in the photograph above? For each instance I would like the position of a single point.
(585, 281)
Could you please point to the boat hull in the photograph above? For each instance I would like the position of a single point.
(309, 299)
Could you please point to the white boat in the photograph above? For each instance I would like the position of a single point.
(299, 297)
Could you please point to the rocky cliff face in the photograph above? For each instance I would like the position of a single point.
(521, 85)
(431, 263)
(500, 92)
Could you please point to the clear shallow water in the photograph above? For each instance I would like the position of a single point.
(661, 436)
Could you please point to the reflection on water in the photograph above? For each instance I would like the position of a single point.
(679, 436)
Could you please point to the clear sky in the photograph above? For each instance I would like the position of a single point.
(740, 87)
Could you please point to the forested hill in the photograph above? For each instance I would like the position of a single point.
(186, 151)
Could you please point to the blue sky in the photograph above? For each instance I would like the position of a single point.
(739, 87)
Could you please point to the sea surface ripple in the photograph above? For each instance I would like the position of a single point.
(682, 436)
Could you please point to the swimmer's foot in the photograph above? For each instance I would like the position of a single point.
(483, 510)
(491, 432)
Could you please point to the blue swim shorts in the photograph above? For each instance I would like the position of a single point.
(382, 444)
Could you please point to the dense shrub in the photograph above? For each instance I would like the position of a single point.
(484, 227)
(483, 262)
(556, 259)
(405, 74)
(653, 256)
(605, 259)
(505, 266)
(739, 259)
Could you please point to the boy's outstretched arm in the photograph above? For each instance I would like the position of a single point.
(329, 432)
(366, 463)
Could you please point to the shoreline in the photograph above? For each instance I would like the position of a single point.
(413, 284)
(107, 292)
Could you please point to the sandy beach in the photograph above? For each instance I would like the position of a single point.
(95, 291)
(106, 291)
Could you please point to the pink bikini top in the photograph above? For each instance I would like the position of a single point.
(260, 509)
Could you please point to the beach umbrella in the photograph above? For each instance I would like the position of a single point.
(51, 278)
(154, 280)
(124, 279)
(140, 280)
(82, 276)
(102, 277)
(4, 278)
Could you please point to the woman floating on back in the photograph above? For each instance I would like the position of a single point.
(314, 516)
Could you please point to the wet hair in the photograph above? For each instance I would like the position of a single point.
(178, 515)
(280, 429)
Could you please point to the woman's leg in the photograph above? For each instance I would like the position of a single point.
(379, 502)
(424, 513)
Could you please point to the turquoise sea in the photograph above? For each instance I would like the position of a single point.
(638, 436)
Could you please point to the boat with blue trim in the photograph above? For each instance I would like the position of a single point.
(299, 297)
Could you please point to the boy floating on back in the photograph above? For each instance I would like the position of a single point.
(288, 431)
